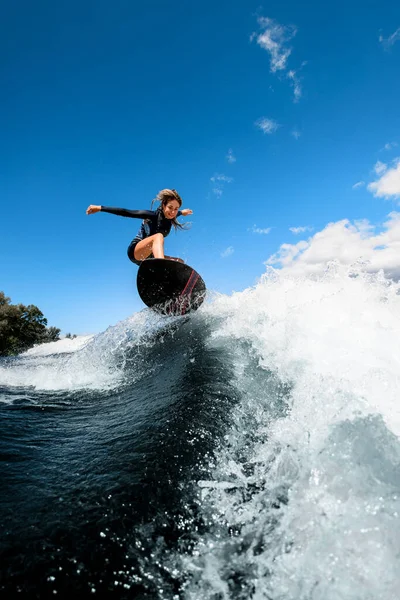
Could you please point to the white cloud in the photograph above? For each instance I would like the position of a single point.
(295, 82)
(267, 125)
(392, 39)
(296, 133)
(287, 253)
(358, 185)
(275, 38)
(221, 177)
(297, 230)
(389, 184)
(380, 167)
(389, 146)
(227, 252)
(230, 156)
(219, 180)
(264, 231)
(346, 243)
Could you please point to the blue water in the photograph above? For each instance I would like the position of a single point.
(249, 450)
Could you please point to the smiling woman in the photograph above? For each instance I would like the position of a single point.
(156, 225)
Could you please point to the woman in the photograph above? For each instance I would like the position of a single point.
(155, 226)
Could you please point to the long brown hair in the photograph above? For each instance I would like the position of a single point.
(164, 196)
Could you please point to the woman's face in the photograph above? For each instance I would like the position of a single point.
(170, 209)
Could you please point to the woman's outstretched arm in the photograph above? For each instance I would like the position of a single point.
(121, 212)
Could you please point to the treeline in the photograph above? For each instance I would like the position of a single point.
(21, 327)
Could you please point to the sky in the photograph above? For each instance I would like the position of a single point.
(278, 124)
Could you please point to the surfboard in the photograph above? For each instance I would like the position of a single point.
(170, 287)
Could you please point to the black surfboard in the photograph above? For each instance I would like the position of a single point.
(170, 287)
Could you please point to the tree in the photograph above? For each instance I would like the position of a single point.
(9, 316)
(22, 326)
(4, 301)
(52, 334)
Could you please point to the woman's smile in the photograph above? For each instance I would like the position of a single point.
(171, 209)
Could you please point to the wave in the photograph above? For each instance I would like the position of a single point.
(304, 499)
(94, 362)
(278, 444)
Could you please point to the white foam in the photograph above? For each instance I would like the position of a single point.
(338, 332)
(319, 514)
(65, 345)
(89, 362)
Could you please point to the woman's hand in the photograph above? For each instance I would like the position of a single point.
(186, 212)
(93, 209)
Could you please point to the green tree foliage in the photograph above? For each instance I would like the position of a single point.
(52, 334)
(21, 327)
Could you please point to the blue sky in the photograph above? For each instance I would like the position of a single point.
(263, 117)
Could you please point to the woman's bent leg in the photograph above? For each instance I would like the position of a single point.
(154, 244)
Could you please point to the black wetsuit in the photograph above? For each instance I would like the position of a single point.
(154, 221)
